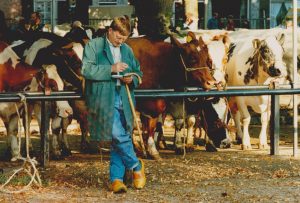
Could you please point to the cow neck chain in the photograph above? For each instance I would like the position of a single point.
(189, 69)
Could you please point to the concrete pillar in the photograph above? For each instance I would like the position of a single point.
(191, 11)
(254, 13)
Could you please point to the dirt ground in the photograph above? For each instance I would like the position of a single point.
(229, 175)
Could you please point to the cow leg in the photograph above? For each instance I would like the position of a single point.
(55, 141)
(190, 132)
(151, 147)
(66, 151)
(37, 111)
(149, 125)
(263, 132)
(84, 144)
(159, 133)
(246, 118)
(237, 122)
(12, 131)
(178, 136)
(246, 144)
(80, 111)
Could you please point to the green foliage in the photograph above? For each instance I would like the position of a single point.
(17, 180)
(154, 17)
(281, 14)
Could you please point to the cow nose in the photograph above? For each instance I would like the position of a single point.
(274, 71)
(210, 83)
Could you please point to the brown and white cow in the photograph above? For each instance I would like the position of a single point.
(16, 76)
(66, 55)
(168, 65)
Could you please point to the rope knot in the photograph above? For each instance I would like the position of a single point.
(22, 97)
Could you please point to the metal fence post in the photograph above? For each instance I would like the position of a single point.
(275, 124)
(44, 134)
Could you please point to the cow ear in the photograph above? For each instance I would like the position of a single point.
(68, 46)
(201, 42)
(226, 41)
(190, 37)
(281, 38)
(174, 41)
(256, 43)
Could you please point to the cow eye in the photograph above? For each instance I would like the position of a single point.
(192, 60)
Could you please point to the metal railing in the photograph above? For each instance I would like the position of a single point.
(170, 93)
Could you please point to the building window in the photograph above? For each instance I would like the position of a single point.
(107, 2)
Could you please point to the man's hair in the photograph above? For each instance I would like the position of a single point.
(121, 24)
(215, 14)
(37, 14)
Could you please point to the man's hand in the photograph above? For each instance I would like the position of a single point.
(126, 79)
(118, 67)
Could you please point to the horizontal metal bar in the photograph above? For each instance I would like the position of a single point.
(248, 87)
(39, 96)
(148, 93)
(238, 92)
(153, 90)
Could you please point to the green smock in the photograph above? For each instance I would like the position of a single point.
(100, 87)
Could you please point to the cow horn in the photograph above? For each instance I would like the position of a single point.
(68, 46)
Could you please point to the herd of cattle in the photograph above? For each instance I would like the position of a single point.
(206, 59)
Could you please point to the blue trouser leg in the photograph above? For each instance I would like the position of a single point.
(122, 152)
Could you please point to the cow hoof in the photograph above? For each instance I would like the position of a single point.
(162, 145)
(239, 140)
(155, 157)
(66, 152)
(225, 145)
(210, 147)
(57, 157)
(7, 155)
(152, 151)
(263, 146)
(179, 150)
(84, 147)
(190, 148)
(199, 141)
(137, 147)
(14, 159)
(246, 147)
(93, 148)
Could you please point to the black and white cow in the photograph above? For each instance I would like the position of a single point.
(255, 61)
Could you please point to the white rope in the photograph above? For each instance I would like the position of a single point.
(29, 163)
(191, 69)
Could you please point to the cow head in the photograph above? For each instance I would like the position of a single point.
(79, 35)
(215, 118)
(71, 55)
(218, 48)
(69, 64)
(269, 53)
(195, 60)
